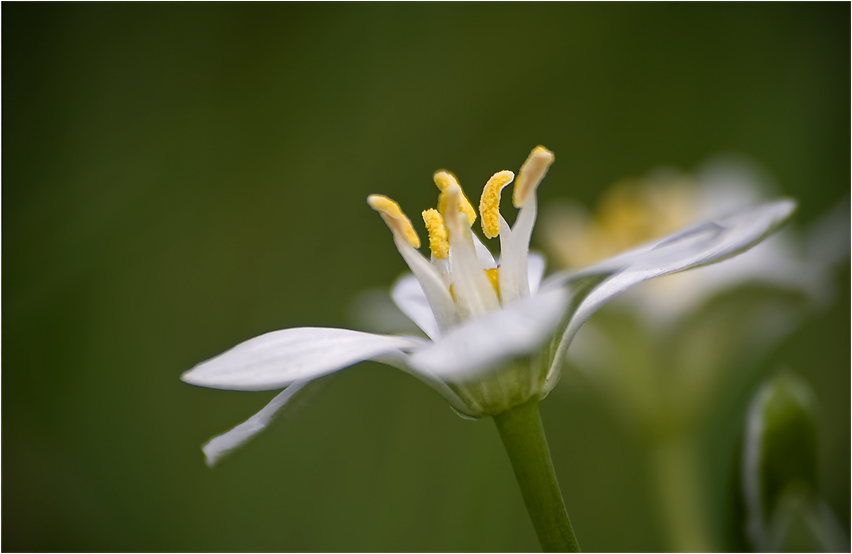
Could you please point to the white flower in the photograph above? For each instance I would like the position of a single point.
(497, 333)
(633, 211)
(696, 327)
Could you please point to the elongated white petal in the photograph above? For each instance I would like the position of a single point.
(373, 311)
(276, 359)
(773, 262)
(474, 294)
(408, 295)
(436, 291)
(486, 259)
(698, 245)
(486, 342)
(514, 251)
(704, 243)
(535, 270)
(226, 443)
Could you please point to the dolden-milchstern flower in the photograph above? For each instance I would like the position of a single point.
(497, 332)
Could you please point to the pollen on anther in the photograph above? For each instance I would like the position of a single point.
(445, 181)
(438, 241)
(394, 218)
(532, 172)
(489, 204)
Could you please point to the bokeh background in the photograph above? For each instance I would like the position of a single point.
(180, 177)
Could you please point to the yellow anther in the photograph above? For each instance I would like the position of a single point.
(397, 221)
(445, 181)
(493, 275)
(489, 204)
(531, 174)
(438, 242)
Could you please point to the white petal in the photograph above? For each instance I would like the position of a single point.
(433, 284)
(473, 292)
(699, 245)
(443, 269)
(514, 249)
(484, 343)
(242, 433)
(483, 254)
(276, 359)
(372, 310)
(408, 295)
(535, 270)
(707, 242)
(729, 182)
(535, 261)
(772, 262)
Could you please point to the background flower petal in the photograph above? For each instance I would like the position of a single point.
(408, 295)
(702, 244)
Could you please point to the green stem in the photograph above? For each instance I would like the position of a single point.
(675, 467)
(523, 436)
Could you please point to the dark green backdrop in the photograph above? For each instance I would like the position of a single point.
(181, 177)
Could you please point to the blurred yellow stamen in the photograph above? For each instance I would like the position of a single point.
(493, 275)
(633, 212)
(397, 221)
(629, 213)
(446, 181)
(438, 242)
(531, 174)
(489, 204)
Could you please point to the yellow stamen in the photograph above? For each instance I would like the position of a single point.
(438, 242)
(489, 204)
(445, 181)
(531, 174)
(397, 221)
(493, 275)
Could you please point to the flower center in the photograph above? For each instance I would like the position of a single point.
(493, 275)
(461, 280)
(630, 213)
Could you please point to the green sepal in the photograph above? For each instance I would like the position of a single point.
(779, 465)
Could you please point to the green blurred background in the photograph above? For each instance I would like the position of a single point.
(178, 178)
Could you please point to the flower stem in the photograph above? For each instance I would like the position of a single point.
(674, 463)
(525, 442)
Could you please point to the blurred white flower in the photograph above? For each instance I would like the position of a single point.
(694, 326)
(497, 333)
(665, 354)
